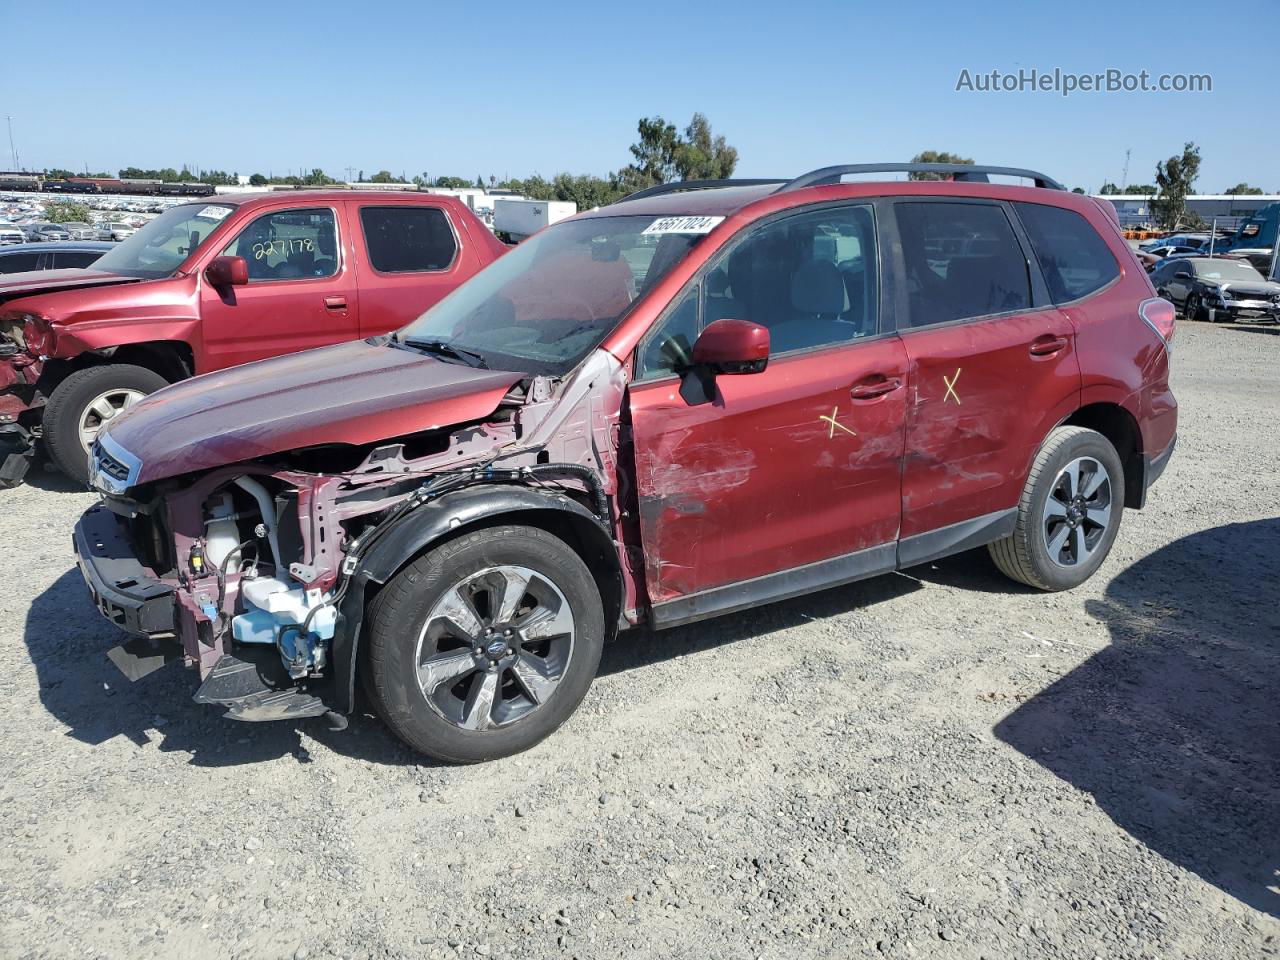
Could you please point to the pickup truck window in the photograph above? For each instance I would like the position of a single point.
(408, 239)
(161, 246)
(288, 245)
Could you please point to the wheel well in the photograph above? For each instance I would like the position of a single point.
(172, 359)
(586, 539)
(1117, 425)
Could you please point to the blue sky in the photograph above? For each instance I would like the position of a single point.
(514, 88)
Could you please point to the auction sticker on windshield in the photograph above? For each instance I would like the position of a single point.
(681, 225)
(214, 213)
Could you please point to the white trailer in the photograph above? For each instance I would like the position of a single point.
(523, 218)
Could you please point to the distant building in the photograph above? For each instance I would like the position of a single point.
(1135, 209)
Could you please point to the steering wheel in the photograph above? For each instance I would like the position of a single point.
(675, 350)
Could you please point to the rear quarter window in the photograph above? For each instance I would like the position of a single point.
(407, 239)
(1074, 259)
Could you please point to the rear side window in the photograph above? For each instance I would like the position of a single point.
(962, 260)
(408, 239)
(18, 262)
(1074, 259)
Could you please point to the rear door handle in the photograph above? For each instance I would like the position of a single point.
(869, 391)
(335, 303)
(1047, 346)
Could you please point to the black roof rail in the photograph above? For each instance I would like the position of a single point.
(677, 185)
(958, 171)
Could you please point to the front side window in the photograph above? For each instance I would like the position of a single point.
(1074, 259)
(74, 259)
(811, 279)
(962, 260)
(288, 245)
(542, 307)
(407, 239)
(161, 246)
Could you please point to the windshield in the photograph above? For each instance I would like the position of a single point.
(157, 249)
(542, 307)
(1226, 270)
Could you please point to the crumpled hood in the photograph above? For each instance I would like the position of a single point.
(352, 393)
(32, 282)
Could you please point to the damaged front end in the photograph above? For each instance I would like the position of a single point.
(22, 338)
(257, 574)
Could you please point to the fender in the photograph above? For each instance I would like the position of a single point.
(71, 340)
(435, 520)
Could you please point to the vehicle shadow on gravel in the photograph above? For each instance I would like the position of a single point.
(45, 476)
(68, 640)
(1173, 727)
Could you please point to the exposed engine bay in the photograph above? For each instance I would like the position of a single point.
(267, 561)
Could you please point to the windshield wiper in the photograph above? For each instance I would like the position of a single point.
(445, 349)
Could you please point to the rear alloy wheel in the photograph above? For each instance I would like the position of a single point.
(85, 402)
(1195, 308)
(484, 645)
(1069, 512)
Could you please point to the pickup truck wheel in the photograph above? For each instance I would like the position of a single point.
(1069, 512)
(83, 403)
(483, 646)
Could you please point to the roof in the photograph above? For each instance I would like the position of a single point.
(726, 201)
(318, 196)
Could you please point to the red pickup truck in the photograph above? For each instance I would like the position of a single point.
(213, 284)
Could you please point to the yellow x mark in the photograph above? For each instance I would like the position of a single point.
(951, 387)
(831, 431)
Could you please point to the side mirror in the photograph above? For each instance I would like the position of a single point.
(228, 271)
(732, 346)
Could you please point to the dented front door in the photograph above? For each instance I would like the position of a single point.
(780, 469)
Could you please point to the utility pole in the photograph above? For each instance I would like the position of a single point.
(12, 149)
(1124, 177)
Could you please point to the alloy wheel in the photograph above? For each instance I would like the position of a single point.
(1077, 512)
(494, 647)
(102, 409)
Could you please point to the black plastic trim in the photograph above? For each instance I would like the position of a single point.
(959, 171)
(775, 586)
(1155, 465)
(678, 186)
(123, 591)
(965, 535)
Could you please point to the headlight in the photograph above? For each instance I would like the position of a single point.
(38, 335)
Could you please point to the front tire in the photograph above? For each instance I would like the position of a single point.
(86, 401)
(484, 645)
(1069, 512)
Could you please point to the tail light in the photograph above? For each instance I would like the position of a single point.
(1161, 316)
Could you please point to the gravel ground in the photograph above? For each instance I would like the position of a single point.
(929, 764)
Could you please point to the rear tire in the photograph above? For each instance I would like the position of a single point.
(81, 404)
(1069, 512)
(484, 645)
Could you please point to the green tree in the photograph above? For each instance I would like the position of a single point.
(479, 181)
(257, 180)
(585, 190)
(1175, 177)
(1077, 190)
(57, 173)
(1243, 188)
(66, 212)
(386, 176)
(452, 183)
(655, 151)
(935, 156)
(701, 156)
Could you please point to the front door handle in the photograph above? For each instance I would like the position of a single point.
(869, 391)
(1048, 345)
(335, 303)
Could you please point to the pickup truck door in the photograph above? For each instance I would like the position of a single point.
(301, 292)
(410, 254)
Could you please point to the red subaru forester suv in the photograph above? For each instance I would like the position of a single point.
(709, 396)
